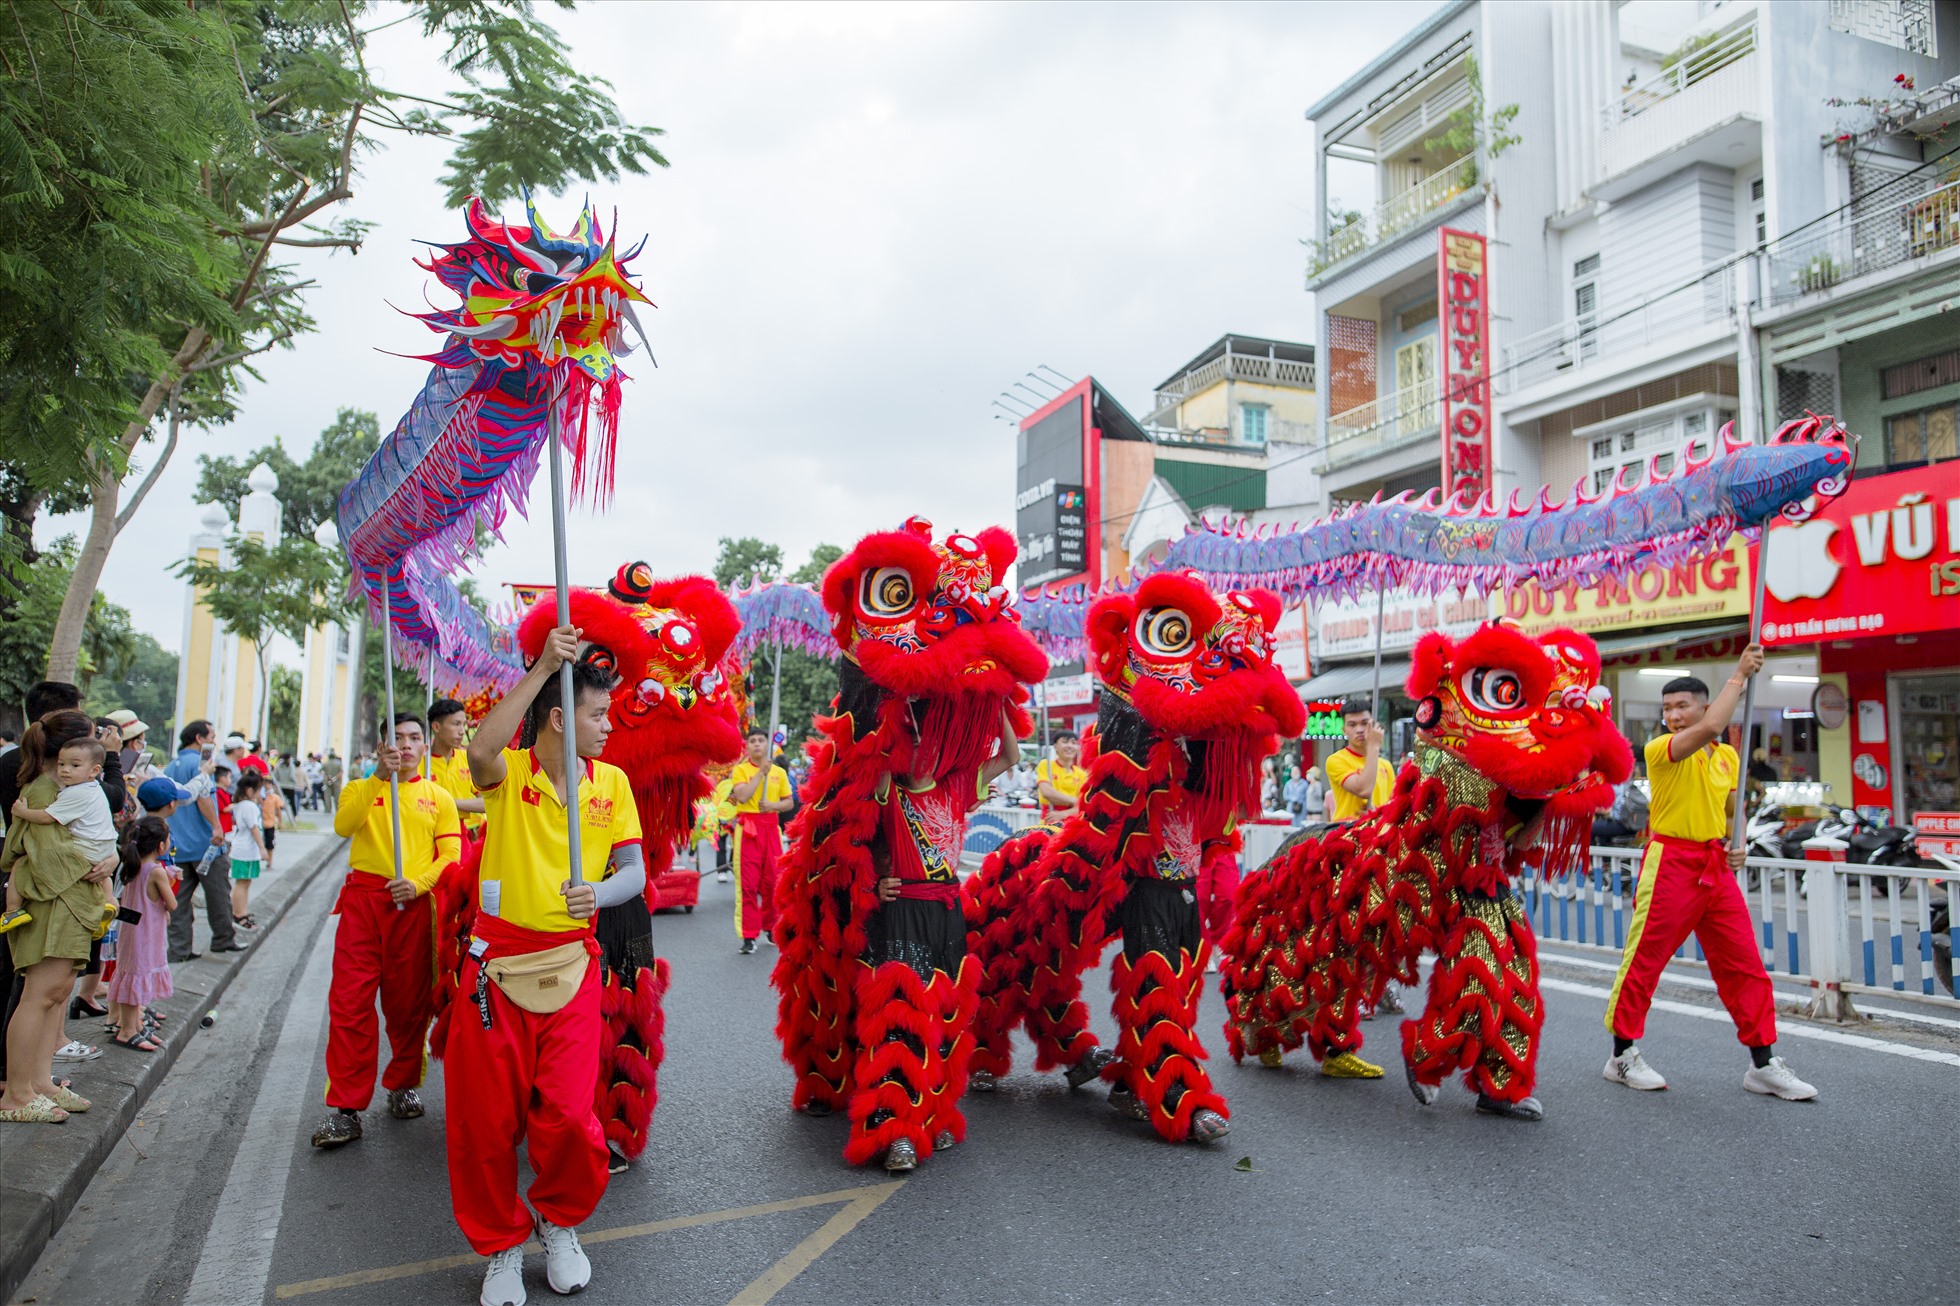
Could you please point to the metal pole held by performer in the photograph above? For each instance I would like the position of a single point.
(1739, 818)
(567, 694)
(388, 725)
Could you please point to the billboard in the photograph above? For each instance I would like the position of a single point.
(1055, 489)
(1713, 588)
(1463, 298)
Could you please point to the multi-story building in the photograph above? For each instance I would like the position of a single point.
(1695, 214)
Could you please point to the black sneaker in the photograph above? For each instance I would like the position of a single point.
(404, 1104)
(337, 1130)
(747, 948)
(616, 1162)
(233, 946)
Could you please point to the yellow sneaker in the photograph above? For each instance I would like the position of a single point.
(1346, 1065)
(14, 919)
(1271, 1057)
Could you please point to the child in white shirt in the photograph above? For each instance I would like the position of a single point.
(81, 806)
(247, 845)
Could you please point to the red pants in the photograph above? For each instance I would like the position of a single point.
(1687, 888)
(1218, 884)
(527, 1079)
(758, 846)
(379, 949)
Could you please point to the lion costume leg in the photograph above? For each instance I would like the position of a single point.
(633, 986)
(1157, 982)
(1484, 1012)
(915, 998)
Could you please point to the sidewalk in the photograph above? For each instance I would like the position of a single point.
(44, 1169)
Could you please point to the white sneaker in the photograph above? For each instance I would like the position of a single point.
(1631, 1069)
(566, 1268)
(76, 1050)
(503, 1281)
(1777, 1080)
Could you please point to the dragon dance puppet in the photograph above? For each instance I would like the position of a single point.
(674, 713)
(875, 991)
(1516, 752)
(1191, 705)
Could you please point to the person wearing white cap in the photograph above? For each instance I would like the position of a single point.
(134, 731)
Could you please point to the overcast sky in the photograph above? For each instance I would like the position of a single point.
(877, 218)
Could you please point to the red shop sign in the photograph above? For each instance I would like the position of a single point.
(1463, 292)
(1883, 558)
(1937, 832)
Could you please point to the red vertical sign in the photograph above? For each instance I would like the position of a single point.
(1463, 302)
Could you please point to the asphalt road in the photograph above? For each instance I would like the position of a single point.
(1348, 1191)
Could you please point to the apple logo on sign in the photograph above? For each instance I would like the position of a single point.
(1801, 565)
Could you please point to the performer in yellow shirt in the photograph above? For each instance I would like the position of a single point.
(1358, 779)
(449, 766)
(1058, 780)
(523, 1049)
(759, 807)
(385, 941)
(1687, 886)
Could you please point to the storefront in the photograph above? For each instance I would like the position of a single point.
(1873, 584)
(1342, 633)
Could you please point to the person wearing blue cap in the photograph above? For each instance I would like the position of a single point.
(159, 796)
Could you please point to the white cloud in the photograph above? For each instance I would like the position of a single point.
(877, 217)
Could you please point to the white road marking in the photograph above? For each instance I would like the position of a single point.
(1793, 1030)
(1802, 987)
(236, 1263)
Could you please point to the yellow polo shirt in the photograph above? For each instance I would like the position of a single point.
(453, 774)
(526, 853)
(1690, 797)
(775, 789)
(1347, 806)
(1067, 780)
(432, 837)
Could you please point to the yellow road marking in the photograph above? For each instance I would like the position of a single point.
(860, 1203)
(774, 1279)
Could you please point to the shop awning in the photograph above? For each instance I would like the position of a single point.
(1344, 678)
(1643, 641)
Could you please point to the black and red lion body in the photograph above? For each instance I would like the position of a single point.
(1191, 705)
(674, 712)
(934, 661)
(1516, 752)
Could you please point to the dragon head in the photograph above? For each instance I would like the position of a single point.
(1195, 665)
(1528, 714)
(674, 708)
(933, 623)
(530, 294)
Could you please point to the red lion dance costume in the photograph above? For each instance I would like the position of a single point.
(674, 712)
(875, 996)
(1516, 753)
(1191, 705)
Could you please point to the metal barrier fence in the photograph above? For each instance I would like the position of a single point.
(989, 827)
(1806, 912)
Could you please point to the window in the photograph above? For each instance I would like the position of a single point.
(1759, 212)
(1252, 423)
(1927, 436)
(1612, 453)
(1903, 24)
(1415, 382)
(1585, 303)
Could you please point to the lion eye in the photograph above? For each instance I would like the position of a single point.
(1164, 632)
(1494, 689)
(887, 592)
(679, 637)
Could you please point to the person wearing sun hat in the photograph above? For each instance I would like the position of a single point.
(134, 729)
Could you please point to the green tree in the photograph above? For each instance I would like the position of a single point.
(811, 572)
(30, 621)
(739, 561)
(258, 117)
(309, 492)
(262, 591)
(282, 711)
(146, 685)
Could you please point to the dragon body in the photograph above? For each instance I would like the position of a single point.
(674, 714)
(1191, 705)
(1516, 752)
(933, 669)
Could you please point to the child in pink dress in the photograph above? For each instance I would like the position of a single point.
(142, 946)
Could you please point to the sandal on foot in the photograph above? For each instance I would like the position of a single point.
(70, 1101)
(135, 1044)
(41, 1111)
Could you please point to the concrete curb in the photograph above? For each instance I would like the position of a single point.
(44, 1171)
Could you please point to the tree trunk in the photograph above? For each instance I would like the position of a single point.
(65, 651)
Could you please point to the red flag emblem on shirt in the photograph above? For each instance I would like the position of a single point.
(531, 796)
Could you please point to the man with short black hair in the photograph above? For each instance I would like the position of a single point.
(760, 792)
(449, 765)
(193, 828)
(1687, 886)
(1058, 780)
(1359, 779)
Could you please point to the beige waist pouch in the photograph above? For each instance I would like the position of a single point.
(541, 982)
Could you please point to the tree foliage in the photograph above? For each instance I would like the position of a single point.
(739, 561)
(282, 713)
(309, 492)
(146, 685)
(28, 624)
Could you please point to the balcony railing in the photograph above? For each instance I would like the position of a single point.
(1234, 367)
(1612, 334)
(1397, 214)
(1696, 65)
(1854, 245)
(1278, 431)
(1390, 422)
